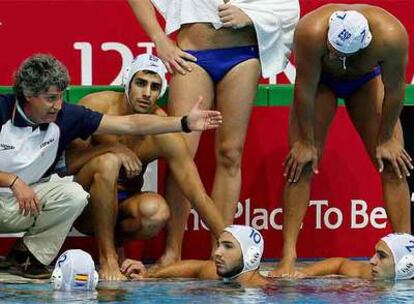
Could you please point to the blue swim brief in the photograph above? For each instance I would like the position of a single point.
(217, 62)
(123, 195)
(345, 88)
(129, 187)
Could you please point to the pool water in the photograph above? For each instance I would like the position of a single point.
(326, 290)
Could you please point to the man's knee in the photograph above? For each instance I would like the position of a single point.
(389, 174)
(145, 216)
(105, 168)
(154, 209)
(305, 176)
(76, 197)
(229, 157)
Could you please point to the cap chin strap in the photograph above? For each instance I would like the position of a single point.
(129, 101)
(234, 274)
(251, 262)
(343, 59)
(95, 279)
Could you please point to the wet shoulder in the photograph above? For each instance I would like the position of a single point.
(313, 27)
(385, 27)
(106, 102)
(159, 111)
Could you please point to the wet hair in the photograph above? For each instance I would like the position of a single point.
(37, 74)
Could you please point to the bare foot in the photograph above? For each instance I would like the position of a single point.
(167, 258)
(109, 271)
(286, 268)
(121, 255)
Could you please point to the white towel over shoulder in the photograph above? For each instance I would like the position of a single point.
(273, 20)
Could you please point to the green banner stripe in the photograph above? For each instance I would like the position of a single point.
(267, 95)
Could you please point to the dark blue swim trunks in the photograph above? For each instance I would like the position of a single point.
(218, 62)
(345, 88)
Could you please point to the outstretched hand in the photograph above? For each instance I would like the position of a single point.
(299, 156)
(394, 153)
(200, 120)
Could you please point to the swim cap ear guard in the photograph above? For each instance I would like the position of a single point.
(401, 246)
(252, 257)
(404, 270)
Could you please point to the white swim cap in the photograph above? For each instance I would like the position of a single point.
(348, 31)
(402, 248)
(145, 62)
(74, 270)
(251, 244)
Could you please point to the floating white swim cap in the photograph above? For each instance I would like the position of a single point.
(402, 248)
(251, 244)
(348, 31)
(145, 62)
(74, 270)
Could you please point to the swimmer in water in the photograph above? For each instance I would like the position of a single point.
(393, 259)
(236, 259)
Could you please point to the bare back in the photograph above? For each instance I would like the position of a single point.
(389, 42)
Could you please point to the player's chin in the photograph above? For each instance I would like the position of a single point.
(221, 271)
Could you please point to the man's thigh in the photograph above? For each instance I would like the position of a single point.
(364, 108)
(48, 193)
(108, 164)
(11, 220)
(324, 111)
(234, 97)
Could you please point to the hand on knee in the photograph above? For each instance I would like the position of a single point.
(389, 173)
(76, 197)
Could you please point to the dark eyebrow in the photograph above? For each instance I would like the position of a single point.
(381, 252)
(226, 242)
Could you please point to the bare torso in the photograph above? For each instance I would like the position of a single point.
(382, 25)
(201, 36)
(116, 105)
(113, 103)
